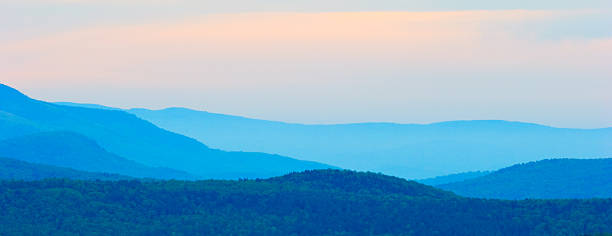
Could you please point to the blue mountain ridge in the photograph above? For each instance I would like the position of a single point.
(137, 140)
(545, 179)
(75, 151)
(12, 169)
(413, 151)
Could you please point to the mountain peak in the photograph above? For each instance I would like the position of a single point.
(7, 92)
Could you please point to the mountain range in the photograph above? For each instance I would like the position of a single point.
(411, 151)
(98, 139)
(127, 136)
(70, 169)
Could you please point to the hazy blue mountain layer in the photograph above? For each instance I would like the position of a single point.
(128, 136)
(407, 150)
(322, 202)
(452, 178)
(11, 169)
(546, 179)
(85, 105)
(72, 150)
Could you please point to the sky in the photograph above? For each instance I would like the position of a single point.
(548, 62)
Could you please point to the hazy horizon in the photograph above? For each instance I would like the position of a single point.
(297, 121)
(545, 62)
(305, 123)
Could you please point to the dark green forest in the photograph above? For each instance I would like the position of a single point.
(324, 202)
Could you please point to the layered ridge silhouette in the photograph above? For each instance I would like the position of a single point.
(407, 150)
(137, 140)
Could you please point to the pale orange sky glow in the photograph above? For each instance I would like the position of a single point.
(410, 61)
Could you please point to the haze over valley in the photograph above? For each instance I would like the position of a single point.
(295, 117)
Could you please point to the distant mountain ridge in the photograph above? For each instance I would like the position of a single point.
(72, 150)
(135, 139)
(546, 179)
(407, 150)
(411, 151)
(87, 105)
(452, 178)
(12, 169)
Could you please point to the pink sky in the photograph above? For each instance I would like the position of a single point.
(331, 67)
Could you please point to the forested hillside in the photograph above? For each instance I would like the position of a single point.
(546, 179)
(326, 202)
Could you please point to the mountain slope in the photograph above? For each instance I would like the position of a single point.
(406, 150)
(138, 140)
(84, 105)
(546, 179)
(11, 169)
(310, 203)
(72, 150)
(445, 179)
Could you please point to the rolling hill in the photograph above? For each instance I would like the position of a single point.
(128, 136)
(407, 150)
(322, 202)
(11, 169)
(546, 179)
(75, 151)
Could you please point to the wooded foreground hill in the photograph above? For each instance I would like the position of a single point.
(324, 202)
